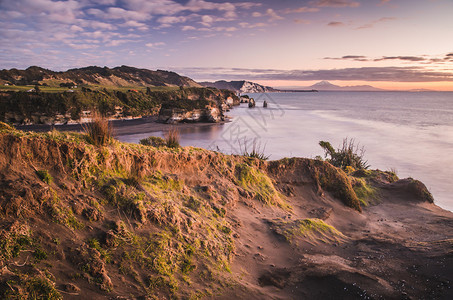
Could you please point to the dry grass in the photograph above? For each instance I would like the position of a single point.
(172, 138)
(99, 131)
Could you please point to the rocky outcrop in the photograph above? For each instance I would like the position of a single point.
(240, 86)
(189, 111)
(179, 115)
(68, 108)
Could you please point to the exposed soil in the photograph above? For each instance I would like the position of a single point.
(130, 221)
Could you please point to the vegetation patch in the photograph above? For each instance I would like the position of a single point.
(13, 240)
(6, 127)
(256, 151)
(335, 181)
(153, 141)
(259, 185)
(172, 138)
(364, 191)
(308, 229)
(348, 156)
(99, 131)
(19, 106)
(419, 190)
(45, 176)
(376, 175)
(29, 287)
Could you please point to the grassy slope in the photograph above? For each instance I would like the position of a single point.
(58, 89)
(132, 220)
(155, 218)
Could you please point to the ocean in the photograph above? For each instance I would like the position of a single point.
(407, 132)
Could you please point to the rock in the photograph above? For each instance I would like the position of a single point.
(277, 278)
(322, 213)
(92, 214)
(71, 288)
(177, 115)
(252, 103)
(245, 99)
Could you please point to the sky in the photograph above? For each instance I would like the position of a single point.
(391, 44)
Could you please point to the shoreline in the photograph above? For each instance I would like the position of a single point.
(123, 126)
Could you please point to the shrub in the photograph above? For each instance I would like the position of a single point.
(172, 138)
(349, 155)
(153, 141)
(99, 131)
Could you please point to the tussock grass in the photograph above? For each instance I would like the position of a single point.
(257, 150)
(99, 131)
(172, 138)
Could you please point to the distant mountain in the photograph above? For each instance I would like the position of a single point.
(240, 86)
(118, 76)
(421, 90)
(327, 86)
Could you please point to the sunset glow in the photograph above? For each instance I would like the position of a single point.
(390, 44)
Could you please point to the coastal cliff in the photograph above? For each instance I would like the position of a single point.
(125, 220)
(40, 96)
(27, 108)
(239, 86)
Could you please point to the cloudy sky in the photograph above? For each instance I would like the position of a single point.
(396, 44)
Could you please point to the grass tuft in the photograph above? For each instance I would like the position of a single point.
(41, 288)
(172, 138)
(257, 150)
(44, 176)
(99, 131)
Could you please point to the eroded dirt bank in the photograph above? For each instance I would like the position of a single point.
(132, 221)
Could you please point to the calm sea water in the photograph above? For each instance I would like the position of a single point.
(411, 133)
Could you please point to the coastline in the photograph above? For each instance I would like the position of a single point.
(123, 126)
